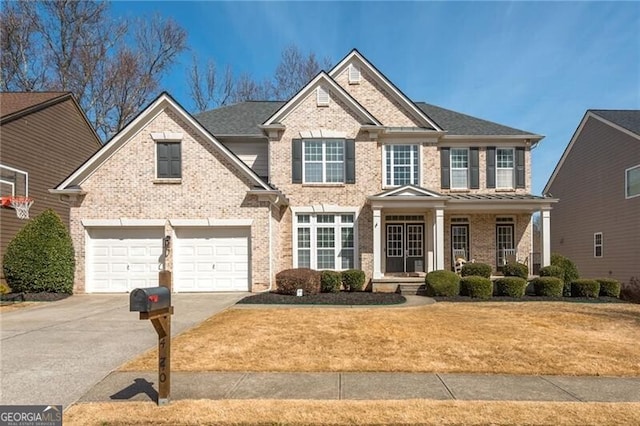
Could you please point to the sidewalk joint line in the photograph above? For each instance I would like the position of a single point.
(235, 386)
(446, 387)
(340, 387)
(562, 389)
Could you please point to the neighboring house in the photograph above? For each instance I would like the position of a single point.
(596, 224)
(44, 136)
(349, 173)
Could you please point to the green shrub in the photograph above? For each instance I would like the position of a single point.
(609, 287)
(290, 280)
(516, 269)
(475, 286)
(353, 279)
(40, 258)
(548, 286)
(511, 286)
(477, 269)
(442, 283)
(330, 282)
(552, 271)
(570, 272)
(631, 290)
(585, 288)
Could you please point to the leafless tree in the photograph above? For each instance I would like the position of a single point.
(113, 67)
(295, 70)
(207, 90)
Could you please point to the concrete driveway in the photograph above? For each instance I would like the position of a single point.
(53, 354)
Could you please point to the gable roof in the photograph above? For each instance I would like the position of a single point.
(456, 123)
(14, 102)
(626, 121)
(322, 77)
(627, 118)
(242, 119)
(163, 101)
(354, 55)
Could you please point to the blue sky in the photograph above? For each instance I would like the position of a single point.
(536, 66)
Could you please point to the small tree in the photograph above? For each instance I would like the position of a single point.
(40, 258)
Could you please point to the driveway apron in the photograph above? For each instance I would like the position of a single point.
(55, 353)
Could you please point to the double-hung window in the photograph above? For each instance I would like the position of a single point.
(323, 160)
(597, 244)
(505, 168)
(459, 168)
(632, 182)
(402, 165)
(325, 241)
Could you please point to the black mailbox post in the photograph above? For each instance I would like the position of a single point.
(149, 299)
(154, 303)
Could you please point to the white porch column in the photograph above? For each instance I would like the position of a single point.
(439, 237)
(377, 243)
(546, 237)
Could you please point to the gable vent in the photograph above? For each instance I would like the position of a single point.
(322, 96)
(354, 74)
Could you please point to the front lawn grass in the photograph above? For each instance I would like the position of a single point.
(554, 338)
(423, 412)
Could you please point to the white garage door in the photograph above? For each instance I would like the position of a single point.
(121, 259)
(211, 259)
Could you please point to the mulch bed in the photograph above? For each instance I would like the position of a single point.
(530, 298)
(342, 298)
(32, 297)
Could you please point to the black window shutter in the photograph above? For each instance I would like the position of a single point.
(474, 168)
(175, 170)
(444, 168)
(350, 161)
(296, 161)
(163, 160)
(520, 180)
(491, 167)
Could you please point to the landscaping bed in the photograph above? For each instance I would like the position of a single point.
(32, 297)
(531, 298)
(342, 298)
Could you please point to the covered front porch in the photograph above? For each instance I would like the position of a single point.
(416, 231)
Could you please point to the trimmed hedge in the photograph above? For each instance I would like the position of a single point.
(548, 286)
(609, 287)
(442, 283)
(516, 269)
(353, 279)
(330, 282)
(290, 280)
(570, 272)
(511, 286)
(552, 271)
(476, 286)
(40, 258)
(476, 269)
(585, 288)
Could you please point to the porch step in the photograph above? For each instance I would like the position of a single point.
(412, 289)
(407, 288)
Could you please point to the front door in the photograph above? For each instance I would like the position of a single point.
(405, 247)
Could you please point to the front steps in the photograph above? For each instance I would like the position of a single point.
(403, 285)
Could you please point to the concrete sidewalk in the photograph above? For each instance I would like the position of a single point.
(140, 386)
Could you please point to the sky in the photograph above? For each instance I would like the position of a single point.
(535, 66)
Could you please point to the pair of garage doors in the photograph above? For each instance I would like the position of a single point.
(204, 259)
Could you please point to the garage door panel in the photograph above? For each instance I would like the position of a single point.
(121, 259)
(211, 259)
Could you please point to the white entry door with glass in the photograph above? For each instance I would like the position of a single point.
(404, 247)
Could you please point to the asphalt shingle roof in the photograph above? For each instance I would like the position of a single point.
(243, 119)
(627, 118)
(12, 102)
(240, 119)
(484, 197)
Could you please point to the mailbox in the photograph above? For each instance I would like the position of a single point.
(149, 299)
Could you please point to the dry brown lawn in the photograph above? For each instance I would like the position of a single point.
(414, 412)
(492, 337)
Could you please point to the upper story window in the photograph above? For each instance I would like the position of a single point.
(169, 160)
(323, 160)
(597, 244)
(459, 168)
(402, 165)
(632, 182)
(504, 168)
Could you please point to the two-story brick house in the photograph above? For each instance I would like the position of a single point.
(348, 173)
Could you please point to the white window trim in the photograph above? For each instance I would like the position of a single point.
(626, 182)
(323, 209)
(595, 245)
(385, 147)
(324, 161)
(451, 168)
(513, 169)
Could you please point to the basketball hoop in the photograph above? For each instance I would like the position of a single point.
(21, 205)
